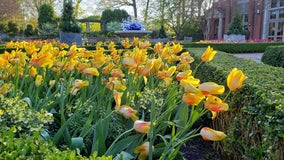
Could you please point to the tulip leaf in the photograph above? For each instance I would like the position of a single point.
(123, 156)
(28, 100)
(77, 142)
(181, 117)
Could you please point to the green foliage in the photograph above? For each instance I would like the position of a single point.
(48, 30)
(19, 117)
(117, 15)
(12, 28)
(192, 29)
(34, 147)
(68, 21)
(30, 31)
(274, 56)
(46, 15)
(3, 27)
(235, 47)
(113, 26)
(162, 32)
(236, 26)
(255, 123)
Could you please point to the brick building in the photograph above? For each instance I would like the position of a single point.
(263, 19)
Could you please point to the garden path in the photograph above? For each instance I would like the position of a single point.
(253, 56)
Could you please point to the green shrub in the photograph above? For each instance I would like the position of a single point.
(255, 124)
(68, 21)
(12, 28)
(235, 47)
(274, 56)
(34, 147)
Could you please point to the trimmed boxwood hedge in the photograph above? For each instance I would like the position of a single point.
(274, 56)
(235, 47)
(255, 122)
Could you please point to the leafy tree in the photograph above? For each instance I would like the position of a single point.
(46, 15)
(162, 32)
(47, 23)
(29, 31)
(9, 9)
(12, 28)
(3, 27)
(116, 15)
(68, 21)
(236, 26)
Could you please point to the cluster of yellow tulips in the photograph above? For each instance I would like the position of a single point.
(47, 62)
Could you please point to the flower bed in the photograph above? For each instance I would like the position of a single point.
(122, 103)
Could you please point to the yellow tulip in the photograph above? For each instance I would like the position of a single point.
(215, 105)
(33, 71)
(235, 79)
(146, 69)
(38, 80)
(211, 88)
(209, 134)
(192, 98)
(91, 71)
(4, 88)
(208, 55)
(143, 150)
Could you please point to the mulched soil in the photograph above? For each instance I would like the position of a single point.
(198, 149)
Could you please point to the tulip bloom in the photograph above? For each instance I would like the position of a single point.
(91, 71)
(143, 150)
(4, 88)
(209, 134)
(235, 79)
(215, 105)
(78, 84)
(33, 71)
(211, 88)
(192, 98)
(117, 97)
(38, 80)
(141, 126)
(128, 112)
(146, 70)
(208, 55)
(183, 75)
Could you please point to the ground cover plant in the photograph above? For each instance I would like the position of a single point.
(120, 103)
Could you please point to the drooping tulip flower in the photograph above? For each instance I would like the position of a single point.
(146, 69)
(208, 55)
(142, 126)
(78, 84)
(211, 88)
(183, 75)
(215, 105)
(209, 134)
(235, 79)
(128, 112)
(192, 98)
(143, 150)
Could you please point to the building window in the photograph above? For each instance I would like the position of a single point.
(280, 29)
(281, 3)
(273, 3)
(273, 14)
(281, 13)
(271, 29)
